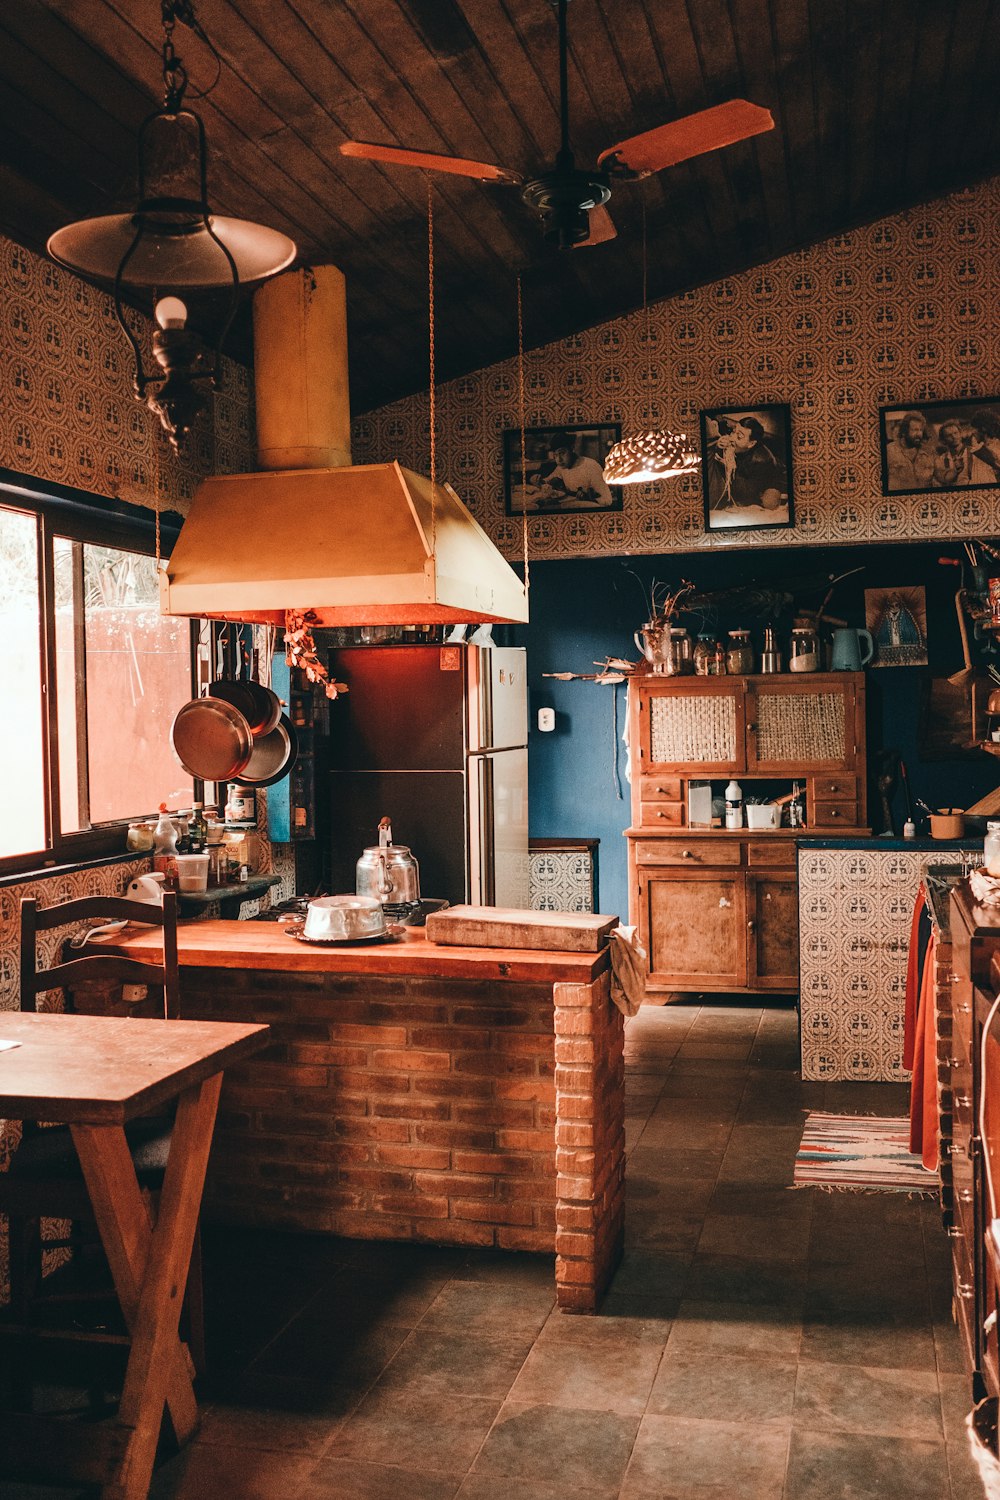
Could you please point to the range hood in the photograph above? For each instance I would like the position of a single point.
(370, 544)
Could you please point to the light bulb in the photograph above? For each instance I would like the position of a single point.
(170, 312)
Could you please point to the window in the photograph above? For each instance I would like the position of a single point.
(91, 676)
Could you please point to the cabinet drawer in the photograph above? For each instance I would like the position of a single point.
(661, 814)
(687, 852)
(660, 788)
(831, 814)
(835, 786)
(772, 852)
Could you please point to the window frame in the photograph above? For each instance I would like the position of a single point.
(78, 516)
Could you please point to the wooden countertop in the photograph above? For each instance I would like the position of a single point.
(266, 946)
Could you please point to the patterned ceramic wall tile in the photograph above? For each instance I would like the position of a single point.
(67, 411)
(561, 880)
(898, 311)
(855, 908)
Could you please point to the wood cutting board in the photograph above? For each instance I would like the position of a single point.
(513, 927)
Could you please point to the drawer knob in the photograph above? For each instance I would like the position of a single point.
(661, 814)
(686, 854)
(832, 787)
(834, 813)
(751, 925)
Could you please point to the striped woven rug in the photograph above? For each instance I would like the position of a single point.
(851, 1151)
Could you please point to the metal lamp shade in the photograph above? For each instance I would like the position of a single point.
(648, 457)
(175, 250)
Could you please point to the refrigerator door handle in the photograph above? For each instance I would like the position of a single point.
(488, 849)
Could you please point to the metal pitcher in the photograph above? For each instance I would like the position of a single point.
(388, 871)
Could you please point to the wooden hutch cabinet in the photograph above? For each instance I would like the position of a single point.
(716, 908)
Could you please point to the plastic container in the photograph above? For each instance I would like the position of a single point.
(763, 815)
(991, 849)
(192, 872)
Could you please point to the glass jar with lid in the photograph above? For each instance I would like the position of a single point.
(739, 653)
(991, 849)
(704, 654)
(679, 656)
(803, 648)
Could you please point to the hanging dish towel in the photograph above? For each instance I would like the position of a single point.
(629, 967)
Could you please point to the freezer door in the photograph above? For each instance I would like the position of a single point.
(498, 697)
(498, 829)
(405, 710)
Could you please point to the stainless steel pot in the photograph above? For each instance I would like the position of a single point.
(388, 871)
(343, 919)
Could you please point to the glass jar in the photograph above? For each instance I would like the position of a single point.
(803, 648)
(704, 654)
(680, 660)
(739, 653)
(991, 849)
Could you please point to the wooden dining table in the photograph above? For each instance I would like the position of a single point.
(95, 1073)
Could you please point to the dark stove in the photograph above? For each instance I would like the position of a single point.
(409, 915)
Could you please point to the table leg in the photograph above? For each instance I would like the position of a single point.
(150, 1269)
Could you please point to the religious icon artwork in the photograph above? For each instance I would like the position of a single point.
(897, 619)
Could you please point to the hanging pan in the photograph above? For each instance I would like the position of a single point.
(259, 706)
(272, 756)
(211, 739)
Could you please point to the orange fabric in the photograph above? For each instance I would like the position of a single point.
(924, 1122)
(912, 972)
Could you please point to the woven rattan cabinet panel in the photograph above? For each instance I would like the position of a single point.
(719, 909)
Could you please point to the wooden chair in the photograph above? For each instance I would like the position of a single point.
(45, 1180)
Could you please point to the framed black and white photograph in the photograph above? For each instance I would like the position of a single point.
(746, 474)
(940, 445)
(563, 469)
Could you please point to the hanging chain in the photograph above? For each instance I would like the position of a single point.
(522, 424)
(645, 280)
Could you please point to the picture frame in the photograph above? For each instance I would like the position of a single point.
(564, 467)
(746, 467)
(928, 446)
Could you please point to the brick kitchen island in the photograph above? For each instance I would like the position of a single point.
(457, 1096)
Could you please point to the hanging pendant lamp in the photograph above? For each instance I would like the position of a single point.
(649, 456)
(172, 244)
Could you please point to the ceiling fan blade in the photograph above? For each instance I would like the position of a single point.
(708, 130)
(601, 228)
(430, 161)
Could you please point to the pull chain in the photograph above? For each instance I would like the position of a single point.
(521, 421)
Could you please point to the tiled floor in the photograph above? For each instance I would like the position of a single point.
(757, 1343)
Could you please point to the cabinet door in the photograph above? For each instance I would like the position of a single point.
(690, 724)
(773, 931)
(795, 727)
(693, 925)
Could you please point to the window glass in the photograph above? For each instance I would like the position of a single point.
(22, 760)
(138, 674)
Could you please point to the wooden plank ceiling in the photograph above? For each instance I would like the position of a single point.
(878, 103)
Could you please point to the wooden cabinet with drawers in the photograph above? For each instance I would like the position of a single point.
(717, 909)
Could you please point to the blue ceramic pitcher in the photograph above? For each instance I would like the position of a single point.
(847, 655)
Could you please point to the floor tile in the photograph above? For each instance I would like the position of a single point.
(837, 1465)
(416, 1429)
(573, 1448)
(604, 1375)
(352, 1479)
(716, 1389)
(680, 1459)
(754, 1238)
(849, 1339)
(204, 1469)
(491, 1307)
(463, 1363)
(849, 1398)
(720, 1328)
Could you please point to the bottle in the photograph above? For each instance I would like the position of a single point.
(770, 657)
(197, 829)
(719, 660)
(796, 816)
(734, 805)
(165, 848)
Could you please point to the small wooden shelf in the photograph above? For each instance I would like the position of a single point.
(230, 897)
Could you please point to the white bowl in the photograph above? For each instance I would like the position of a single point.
(344, 919)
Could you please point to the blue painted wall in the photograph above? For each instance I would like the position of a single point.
(583, 610)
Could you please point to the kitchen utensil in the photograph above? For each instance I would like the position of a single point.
(211, 739)
(512, 927)
(770, 657)
(967, 670)
(847, 655)
(272, 756)
(344, 919)
(387, 871)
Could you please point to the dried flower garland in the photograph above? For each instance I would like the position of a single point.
(300, 651)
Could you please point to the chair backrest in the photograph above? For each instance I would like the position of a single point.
(99, 966)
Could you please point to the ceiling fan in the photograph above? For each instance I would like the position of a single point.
(570, 201)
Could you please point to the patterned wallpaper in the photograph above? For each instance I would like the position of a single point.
(899, 311)
(67, 412)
